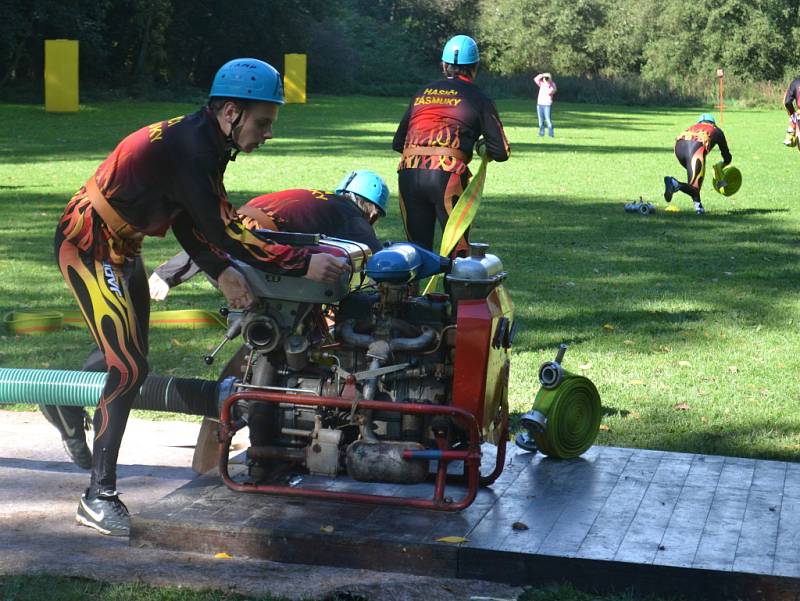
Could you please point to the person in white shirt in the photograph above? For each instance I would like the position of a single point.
(544, 103)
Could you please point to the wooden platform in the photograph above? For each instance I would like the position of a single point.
(613, 520)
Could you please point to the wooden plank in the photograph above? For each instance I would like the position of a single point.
(682, 535)
(769, 476)
(791, 485)
(582, 503)
(720, 538)
(705, 471)
(644, 536)
(613, 521)
(619, 518)
(787, 551)
(643, 465)
(539, 514)
(759, 536)
(673, 469)
(736, 473)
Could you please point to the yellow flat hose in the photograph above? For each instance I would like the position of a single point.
(36, 323)
(461, 218)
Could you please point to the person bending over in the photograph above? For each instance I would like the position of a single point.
(791, 102)
(348, 213)
(691, 148)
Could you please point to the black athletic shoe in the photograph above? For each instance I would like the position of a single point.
(668, 189)
(106, 514)
(71, 423)
(78, 451)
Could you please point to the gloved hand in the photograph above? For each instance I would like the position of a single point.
(480, 149)
(718, 181)
(159, 289)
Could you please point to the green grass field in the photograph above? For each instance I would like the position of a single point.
(686, 324)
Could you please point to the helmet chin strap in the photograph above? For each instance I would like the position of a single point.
(234, 148)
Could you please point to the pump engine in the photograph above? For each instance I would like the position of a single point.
(369, 378)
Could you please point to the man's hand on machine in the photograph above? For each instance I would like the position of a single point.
(326, 268)
(235, 289)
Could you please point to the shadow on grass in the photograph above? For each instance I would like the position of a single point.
(755, 211)
(556, 147)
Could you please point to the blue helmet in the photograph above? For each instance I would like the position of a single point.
(707, 118)
(461, 50)
(248, 78)
(367, 184)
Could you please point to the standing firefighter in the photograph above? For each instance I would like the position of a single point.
(437, 136)
(791, 101)
(166, 175)
(691, 148)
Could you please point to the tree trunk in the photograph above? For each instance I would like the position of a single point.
(14, 63)
(138, 73)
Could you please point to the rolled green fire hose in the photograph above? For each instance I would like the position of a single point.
(573, 414)
(35, 323)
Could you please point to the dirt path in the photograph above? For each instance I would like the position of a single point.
(40, 487)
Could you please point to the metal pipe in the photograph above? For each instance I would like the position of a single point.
(413, 344)
(353, 338)
(268, 452)
(369, 390)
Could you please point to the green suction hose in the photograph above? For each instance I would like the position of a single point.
(51, 387)
(573, 412)
(191, 396)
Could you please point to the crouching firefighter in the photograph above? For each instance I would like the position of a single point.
(350, 212)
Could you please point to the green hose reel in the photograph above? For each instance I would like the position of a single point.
(565, 418)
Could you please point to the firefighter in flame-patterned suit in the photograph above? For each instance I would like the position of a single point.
(437, 136)
(691, 148)
(165, 176)
(348, 213)
(791, 102)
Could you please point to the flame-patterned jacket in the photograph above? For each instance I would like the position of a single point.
(449, 114)
(169, 175)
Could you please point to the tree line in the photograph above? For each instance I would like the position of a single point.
(647, 47)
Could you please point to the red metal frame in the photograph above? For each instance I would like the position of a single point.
(471, 456)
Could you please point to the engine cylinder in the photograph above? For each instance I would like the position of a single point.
(383, 462)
